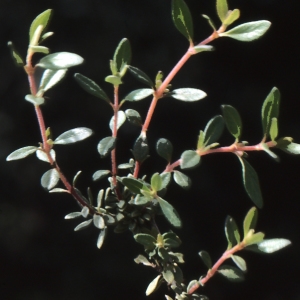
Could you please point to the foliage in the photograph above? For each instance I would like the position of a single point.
(134, 202)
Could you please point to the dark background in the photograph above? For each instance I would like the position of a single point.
(41, 256)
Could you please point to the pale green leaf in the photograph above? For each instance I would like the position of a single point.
(240, 262)
(41, 19)
(189, 159)
(73, 136)
(206, 259)
(100, 174)
(182, 180)
(202, 48)
(154, 285)
(122, 56)
(34, 99)
(156, 182)
(16, 56)
(231, 273)
(231, 232)
(101, 237)
(274, 129)
(50, 78)
(106, 145)
(39, 49)
(188, 94)
(231, 17)
(41, 155)
(273, 245)
(138, 95)
(73, 215)
(250, 220)
(121, 118)
(21, 153)
(222, 9)
(50, 179)
(98, 221)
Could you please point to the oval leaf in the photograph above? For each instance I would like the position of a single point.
(188, 94)
(73, 215)
(147, 240)
(132, 184)
(156, 182)
(101, 237)
(240, 262)
(73, 136)
(206, 259)
(140, 149)
(164, 148)
(50, 78)
(21, 153)
(50, 179)
(140, 76)
(273, 245)
(41, 19)
(133, 117)
(231, 273)
(139, 94)
(213, 130)
(120, 120)
(250, 220)
(41, 155)
(106, 145)
(189, 159)
(231, 232)
(83, 225)
(169, 212)
(182, 180)
(232, 120)
(100, 174)
(122, 56)
(154, 285)
(222, 9)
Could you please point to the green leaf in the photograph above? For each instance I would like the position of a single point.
(273, 245)
(16, 56)
(231, 232)
(240, 262)
(39, 49)
(154, 285)
(202, 48)
(189, 159)
(250, 220)
(248, 32)
(138, 94)
(156, 182)
(140, 259)
(73, 215)
(98, 221)
(288, 146)
(141, 200)
(147, 240)
(192, 284)
(120, 120)
(100, 174)
(251, 183)
(274, 129)
(182, 19)
(222, 9)
(122, 56)
(171, 240)
(73, 136)
(253, 238)
(231, 273)
(231, 17)
(141, 76)
(140, 149)
(270, 110)
(113, 79)
(210, 22)
(50, 179)
(232, 120)
(101, 237)
(91, 87)
(41, 155)
(163, 254)
(59, 190)
(206, 259)
(35, 100)
(132, 184)
(106, 145)
(41, 19)
(168, 274)
(188, 94)
(164, 148)
(21, 153)
(267, 150)
(182, 180)
(133, 117)
(200, 143)
(83, 225)
(50, 78)
(213, 130)
(60, 60)
(169, 212)
(166, 177)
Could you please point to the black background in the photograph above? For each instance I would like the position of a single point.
(41, 256)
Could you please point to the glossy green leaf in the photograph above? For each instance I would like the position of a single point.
(164, 148)
(140, 259)
(141, 76)
(288, 146)
(138, 95)
(166, 178)
(133, 117)
(156, 182)
(206, 259)
(122, 56)
(60, 60)
(120, 120)
(50, 179)
(231, 273)
(250, 220)
(168, 274)
(101, 237)
(154, 285)
(222, 9)
(50, 78)
(16, 56)
(213, 130)
(232, 120)
(39, 49)
(240, 262)
(270, 110)
(182, 19)
(203, 48)
(188, 94)
(35, 100)
(248, 32)
(106, 145)
(169, 212)
(73, 215)
(274, 129)
(132, 184)
(100, 174)
(273, 245)
(21, 153)
(182, 180)
(73, 136)
(41, 155)
(147, 240)
(91, 87)
(231, 232)
(251, 183)
(83, 225)
(231, 17)
(140, 149)
(41, 19)
(189, 159)
(171, 240)
(98, 221)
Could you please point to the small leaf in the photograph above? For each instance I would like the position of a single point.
(98, 221)
(76, 177)
(122, 56)
(231, 17)
(231, 273)
(125, 166)
(270, 110)
(213, 130)
(60, 60)
(101, 237)
(188, 94)
(132, 184)
(140, 259)
(251, 183)
(100, 174)
(274, 129)
(169, 212)
(59, 190)
(50, 179)
(200, 143)
(232, 120)
(166, 177)
(168, 274)
(73, 215)
(41, 19)
(73, 136)
(35, 100)
(50, 78)
(140, 149)
(189, 159)
(231, 232)
(113, 79)
(154, 285)
(139, 94)
(250, 220)
(240, 262)
(133, 117)
(253, 238)
(164, 148)
(147, 240)
(39, 49)
(288, 146)
(182, 180)
(85, 211)
(156, 182)
(141, 76)
(206, 259)
(91, 87)
(171, 240)
(41, 155)
(192, 284)
(106, 145)
(182, 19)
(222, 9)
(120, 120)
(248, 32)
(16, 56)
(202, 48)
(141, 200)
(21, 153)
(210, 22)
(273, 245)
